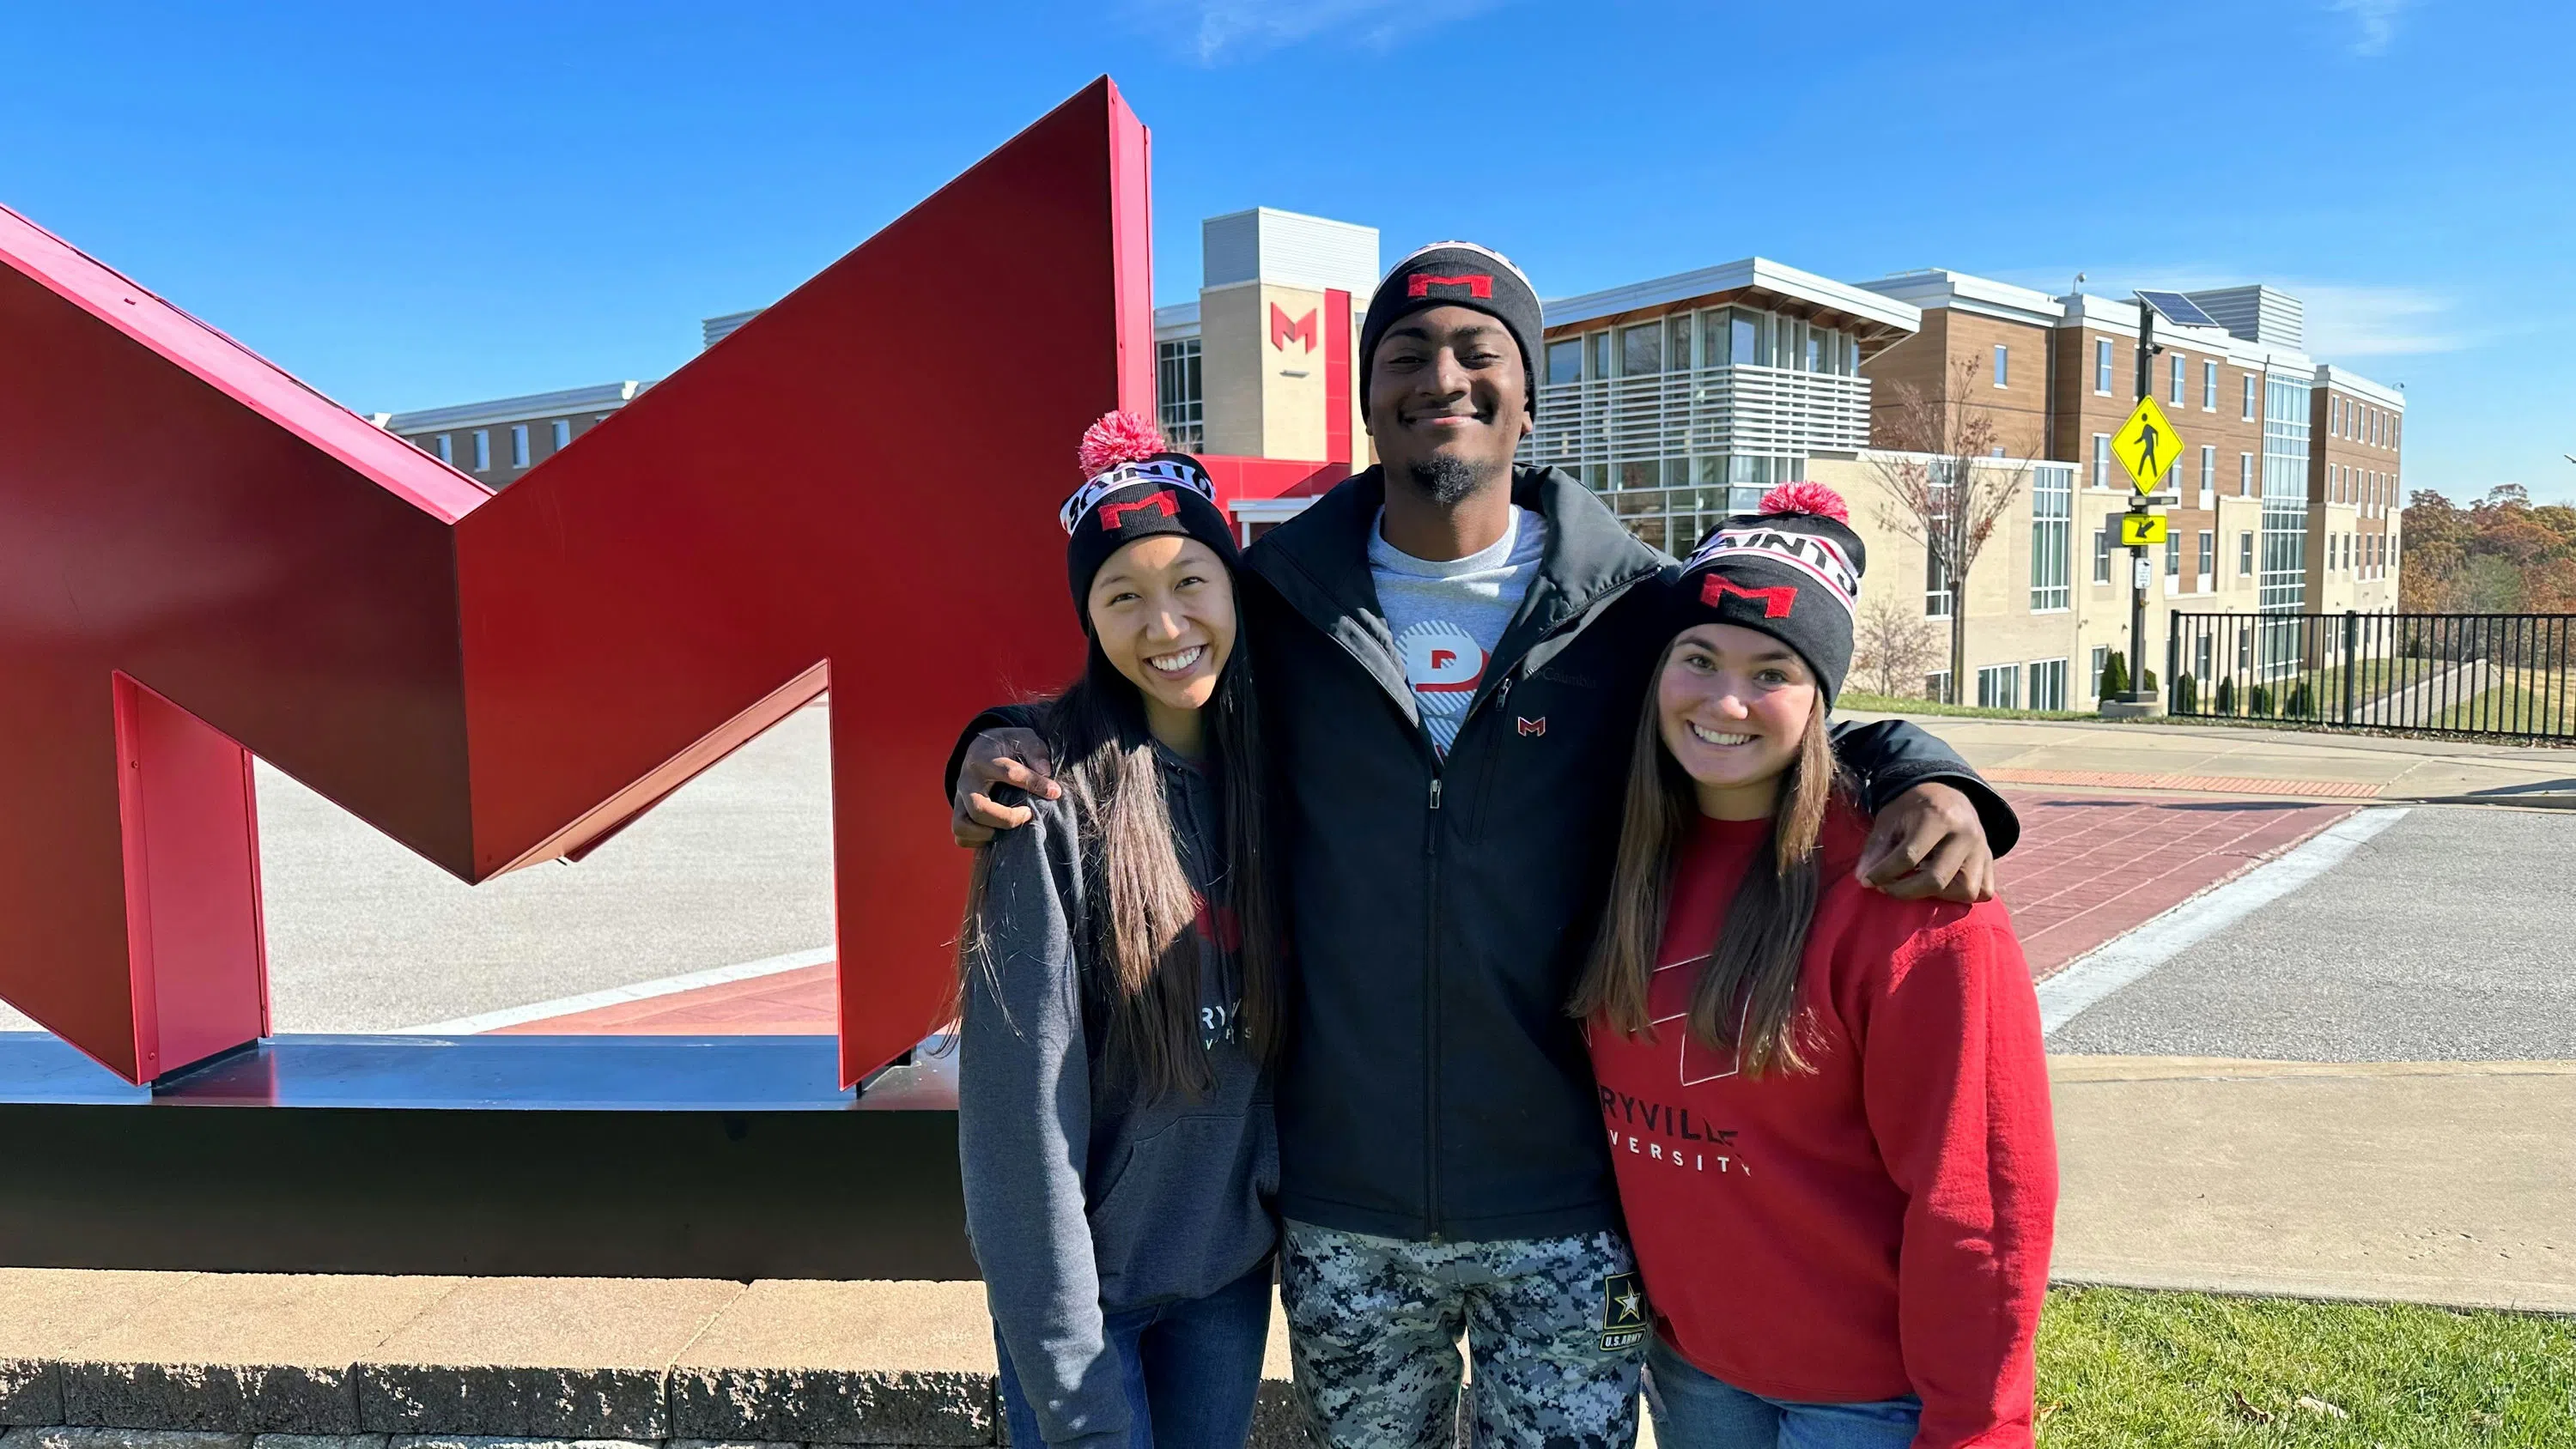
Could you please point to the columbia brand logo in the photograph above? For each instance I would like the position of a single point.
(1479, 285)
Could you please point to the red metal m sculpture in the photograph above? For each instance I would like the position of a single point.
(200, 559)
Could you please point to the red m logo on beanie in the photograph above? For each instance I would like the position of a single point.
(1479, 285)
(1163, 504)
(1775, 601)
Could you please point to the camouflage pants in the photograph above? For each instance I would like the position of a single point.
(1556, 1326)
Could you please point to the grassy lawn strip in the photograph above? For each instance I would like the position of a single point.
(2146, 1370)
(1891, 704)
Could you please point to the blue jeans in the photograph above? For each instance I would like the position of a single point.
(1694, 1411)
(1192, 1369)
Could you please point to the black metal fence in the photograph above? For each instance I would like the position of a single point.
(2465, 674)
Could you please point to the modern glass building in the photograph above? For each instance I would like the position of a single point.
(1681, 398)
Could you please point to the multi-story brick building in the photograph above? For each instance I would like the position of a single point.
(497, 441)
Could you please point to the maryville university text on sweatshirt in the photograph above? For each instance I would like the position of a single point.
(1882, 1226)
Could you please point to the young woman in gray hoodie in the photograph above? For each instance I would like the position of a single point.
(1118, 989)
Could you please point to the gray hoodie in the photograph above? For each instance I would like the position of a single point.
(1080, 1201)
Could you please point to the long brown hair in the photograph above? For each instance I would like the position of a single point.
(1145, 913)
(1746, 998)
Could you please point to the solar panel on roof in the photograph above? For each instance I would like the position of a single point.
(2178, 309)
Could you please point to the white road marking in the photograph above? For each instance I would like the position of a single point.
(2123, 962)
(615, 995)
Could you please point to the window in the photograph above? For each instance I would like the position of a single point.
(2173, 557)
(2244, 475)
(1749, 336)
(1180, 402)
(1564, 361)
(1600, 366)
(2052, 535)
(518, 445)
(2102, 554)
(1641, 350)
(2209, 387)
(2101, 460)
(1936, 587)
(2249, 397)
(1999, 687)
(2177, 381)
(482, 450)
(1936, 686)
(446, 448)
(1677, 343)
(562, 434)
(2245, 555)
(2208, 556)
(2102, 365)
(2048, 684)
(2101, 661)
(2003, 365)
(2208, 476)
(1713, 351)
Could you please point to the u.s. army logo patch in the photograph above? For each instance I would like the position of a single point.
(1623, 1311)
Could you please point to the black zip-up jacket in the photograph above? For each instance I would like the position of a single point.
(1439, 910)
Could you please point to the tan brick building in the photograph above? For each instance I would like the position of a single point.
(497, 441)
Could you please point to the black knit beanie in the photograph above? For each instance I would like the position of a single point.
(1135, 488)
(1791, 570)
(1459, 274)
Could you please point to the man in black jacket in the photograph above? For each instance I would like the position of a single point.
(1453, 652)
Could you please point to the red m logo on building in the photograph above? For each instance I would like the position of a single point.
(1283, 331)
(200, 558)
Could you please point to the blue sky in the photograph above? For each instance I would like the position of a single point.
(417, 205)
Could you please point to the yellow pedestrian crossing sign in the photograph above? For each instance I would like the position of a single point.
(2138, 530)
(2146, 445)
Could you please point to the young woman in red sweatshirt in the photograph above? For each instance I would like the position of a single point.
(1828, 1108)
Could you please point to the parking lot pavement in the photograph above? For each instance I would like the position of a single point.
(365, 936)
(2450, 936)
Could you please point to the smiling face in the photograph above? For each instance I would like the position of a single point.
(1731, 706)
(1448, 398)
(1163, 611)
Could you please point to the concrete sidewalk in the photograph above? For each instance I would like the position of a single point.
(2224, 759)
(2441, 1182)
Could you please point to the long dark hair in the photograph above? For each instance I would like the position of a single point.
(1145, 914)
(1746, 998)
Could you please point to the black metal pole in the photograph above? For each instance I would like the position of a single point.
(2138, 568)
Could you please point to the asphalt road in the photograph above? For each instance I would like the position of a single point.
(363, 935)
(2450, 936)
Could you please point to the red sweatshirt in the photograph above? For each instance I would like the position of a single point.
(1881, 1227)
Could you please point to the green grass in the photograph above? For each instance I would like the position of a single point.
(1892, 704)
(2150, 1370)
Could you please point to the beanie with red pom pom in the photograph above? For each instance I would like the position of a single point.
(1790, 570)
(1135, 487)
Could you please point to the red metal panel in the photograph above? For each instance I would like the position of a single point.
(499, 679)
(1337, 378)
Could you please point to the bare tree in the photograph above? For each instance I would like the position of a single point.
(1945, 488)
(1895, 647)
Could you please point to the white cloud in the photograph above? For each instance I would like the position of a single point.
(2375, 321)
(1230, 29)
(2374, 22)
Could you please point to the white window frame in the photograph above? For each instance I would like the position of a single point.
(2244, 475)
(482, 450)
(2208, 557)
(2008, 676)
(2249, 399)
(2054, 671)
(518, 445)
(2102, 367)
(446, 449)
(2208, 475)
(562, 434)
(2181, 373)
(2101, 460)
(2209, 386)
(2003, 365)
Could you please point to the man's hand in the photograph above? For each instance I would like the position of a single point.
(1013, 757)
(1928, 842)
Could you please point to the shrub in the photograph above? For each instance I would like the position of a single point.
(2301, 704)
(2186, 698)
(2261, 706)
(2115, 676)
(2226, 701)
(2150, 686)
